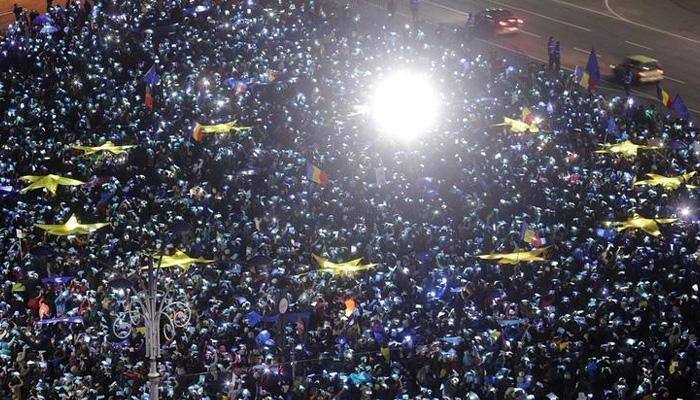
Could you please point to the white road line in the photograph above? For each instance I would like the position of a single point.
(584, 51)
(2, 14)
(530, 33)
(638, 45)
(674, 80)
(541, 15)
(448, 8)
(651, 28)
(639, 94)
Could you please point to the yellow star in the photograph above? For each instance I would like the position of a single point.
(200, 130)
(668, 182)
(514, 258)
(71, 227)
(648, 225)
(626, 148)
(346, 268)
(180, 259)
(49, 182)
(107, 146)
(518, 126)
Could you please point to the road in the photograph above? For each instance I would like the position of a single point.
(6, 15)
(661, 29)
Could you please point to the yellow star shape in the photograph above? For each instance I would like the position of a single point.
(49, 182)
(518, 126)
(626, 148)
(516, 257)
(180, 259)
(71, 227)
(648, 225)
(668, 182)
(346, 268)
(107, 146)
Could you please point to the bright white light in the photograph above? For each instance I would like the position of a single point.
(405, 105)
(685, 211)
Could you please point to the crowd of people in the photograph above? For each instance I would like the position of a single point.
(606, 315)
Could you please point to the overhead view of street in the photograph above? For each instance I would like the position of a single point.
(665, 30)
(349, 200)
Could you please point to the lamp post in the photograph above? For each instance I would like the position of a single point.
(151, 308)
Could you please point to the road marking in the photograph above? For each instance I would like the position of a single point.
(2, 14)
(541, 15)
(584, 51)
(516, 51)
(651, 28)
(530, 33)
(448, 8)
(638, 45)
(674, 79)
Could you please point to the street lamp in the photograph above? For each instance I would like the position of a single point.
(151, 308)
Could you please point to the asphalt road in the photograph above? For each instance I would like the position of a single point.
(616, 28)
(6, 15)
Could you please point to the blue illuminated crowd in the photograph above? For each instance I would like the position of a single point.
(609, 315)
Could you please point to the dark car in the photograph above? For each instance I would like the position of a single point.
(497, 22)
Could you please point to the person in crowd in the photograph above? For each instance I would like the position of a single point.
(604, 314)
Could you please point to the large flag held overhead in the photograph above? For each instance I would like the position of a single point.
(530, 236)
(49, 182)
(314, 174)
(107, 146)
(668, 182)
(582, 77)
(200, 130)
(626, 148)
(180, 259)
(151, 77)
(648, 225)
(664, 97)
(516, 257)
(71, 227)
(347, 268)
(680, 108)
(593, 70)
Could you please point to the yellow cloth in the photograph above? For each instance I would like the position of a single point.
(514, 258)
(71, 227)
(346, 268)
(107, 146)
(518, 126)
(648, 225)
(626, 148)
(49, 182)
(180, 259)
(200, 130)
(668, 182)
(386, 353)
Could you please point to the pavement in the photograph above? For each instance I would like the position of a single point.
(616, 28)
(6, 6)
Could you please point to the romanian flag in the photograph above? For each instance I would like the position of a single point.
(664, 97)
(531, 236)
(314, 174)
(593, 70)
(149, 98)
(582, 77)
